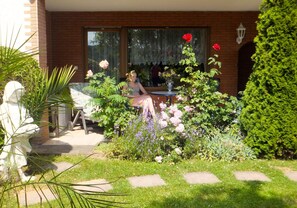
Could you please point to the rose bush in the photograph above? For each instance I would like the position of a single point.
(186, 129)
(110, 107)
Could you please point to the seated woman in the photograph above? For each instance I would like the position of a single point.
(144, 100)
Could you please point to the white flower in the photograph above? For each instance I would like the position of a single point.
(89, 74)
(158, 159)
(180, 128)
(178, 151)
(104, 64)
(162, 138)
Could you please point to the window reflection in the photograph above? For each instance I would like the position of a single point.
(150, 50)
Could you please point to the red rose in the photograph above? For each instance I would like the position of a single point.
(216, 47)
(187, 37)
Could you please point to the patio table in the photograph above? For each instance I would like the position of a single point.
(167, 94)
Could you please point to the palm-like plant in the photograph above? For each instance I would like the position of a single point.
(42, 91)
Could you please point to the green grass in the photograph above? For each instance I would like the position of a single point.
(280, 192)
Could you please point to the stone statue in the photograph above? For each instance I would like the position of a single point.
(18, 128)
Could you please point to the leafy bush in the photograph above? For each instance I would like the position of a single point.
(270, 98)
(225, 146)
(199, 90)
(111, 108)
(203, 123)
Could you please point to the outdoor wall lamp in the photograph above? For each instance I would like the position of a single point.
(240, 33)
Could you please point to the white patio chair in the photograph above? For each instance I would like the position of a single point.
(82, 107)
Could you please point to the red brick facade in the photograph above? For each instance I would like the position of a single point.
(66, 35)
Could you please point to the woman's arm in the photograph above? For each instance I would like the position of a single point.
(142, 89)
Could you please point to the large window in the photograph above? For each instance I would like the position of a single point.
(145, 50)
(104, 45)
(150, 50)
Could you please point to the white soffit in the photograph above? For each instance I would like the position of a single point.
(152, 5)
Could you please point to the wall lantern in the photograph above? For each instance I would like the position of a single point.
(240, 33)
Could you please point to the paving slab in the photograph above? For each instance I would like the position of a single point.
(35, 197)
(201, 178)
(98, 185)
(146, 181)
(292, 175)
(251, 176)
(70, 142)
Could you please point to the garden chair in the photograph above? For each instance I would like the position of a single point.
(82, 107)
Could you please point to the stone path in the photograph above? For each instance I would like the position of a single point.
(145, 181)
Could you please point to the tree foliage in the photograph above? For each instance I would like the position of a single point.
(270, 98)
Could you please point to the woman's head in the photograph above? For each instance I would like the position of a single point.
(131, 76)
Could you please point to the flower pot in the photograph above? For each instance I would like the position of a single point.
(169, 86)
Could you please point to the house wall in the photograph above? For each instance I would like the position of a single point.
(67, 45)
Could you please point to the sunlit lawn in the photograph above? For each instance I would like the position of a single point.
(280, 192)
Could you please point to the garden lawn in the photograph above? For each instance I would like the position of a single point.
(280, 192)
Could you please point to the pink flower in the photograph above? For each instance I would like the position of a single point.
(163, 124)
(216, 47)
(104, 64)
(187, 37)
(162, 106)
(175, 121)
(164, 115)
(172, 109)
(89, 73)
(188, 108)
(180, 128)
(178, 114)
(179, 98)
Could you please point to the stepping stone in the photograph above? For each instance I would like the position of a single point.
(98, 185)
(35, 197)
(250, 176)
(146, 181)
(292, 175)
(201, 178)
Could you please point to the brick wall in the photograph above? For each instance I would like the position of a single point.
(42, 44)
(66, 31)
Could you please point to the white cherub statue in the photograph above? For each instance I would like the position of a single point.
(18, 128)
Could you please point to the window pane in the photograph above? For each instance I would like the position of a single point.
(149, 48)
(104, 45)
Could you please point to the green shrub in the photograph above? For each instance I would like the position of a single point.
(270, 98)
(224, 146)
(199, 90)
(111, 108)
